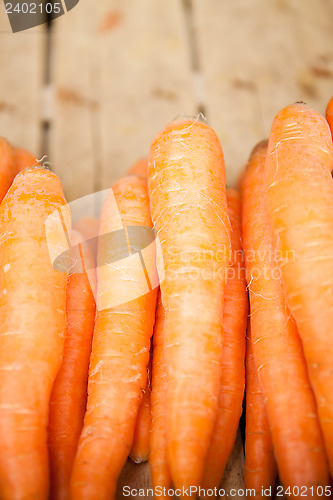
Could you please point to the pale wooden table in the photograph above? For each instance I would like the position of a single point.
(116, 72)
(92, 92)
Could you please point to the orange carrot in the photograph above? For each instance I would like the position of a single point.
(235, 313)
(7, 166)
(299, 195)
(120, 353)
(32, 327)
(140, 447)
(140, 168)
(189, 210)
(24, 159)
(260, 465)
(158, 460)
(278, 351)
(69, 393)
(88, 227)
(329, 114)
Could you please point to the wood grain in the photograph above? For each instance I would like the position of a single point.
(120, 72)
(257, 57)
(22, 64)
(73, 151)
(145, 79)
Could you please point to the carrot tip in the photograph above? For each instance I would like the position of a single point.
(139, 459)
(45, 168)
(258, 147)
(41, 167)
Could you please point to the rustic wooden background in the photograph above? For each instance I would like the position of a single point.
(93, 90)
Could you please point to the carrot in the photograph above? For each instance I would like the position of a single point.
(260, 466)
(188, 203)
(329, 114)
(158, 460)
(69, 393)
(24, 159)
(7, 166)
(32, 327)
(140, 446)
(299, 195)
(232, 385)
(120, 353)
(139, 168)
(278, 351)
(88, 227)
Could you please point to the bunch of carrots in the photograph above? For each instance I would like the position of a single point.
(99, 362)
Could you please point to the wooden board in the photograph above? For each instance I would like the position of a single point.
(257, 57)
(22, 63)
(119, 74)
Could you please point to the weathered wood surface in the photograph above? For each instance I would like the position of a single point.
(256, 57)
(120, 71)
(22, 63)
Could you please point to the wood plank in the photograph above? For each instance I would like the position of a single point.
(120, 72)
(257, 57)
(22, 73)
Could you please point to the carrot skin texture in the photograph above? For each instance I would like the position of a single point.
(260, 466)
(32, 327)
(278, 352)
(141, 441)
(7, 166)
(69, 392)
(120, 353)
(299, 199)
(89, 227)
(329, 114)
(232, 385)
(186, 183)
(24, 159)
(158, 460)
